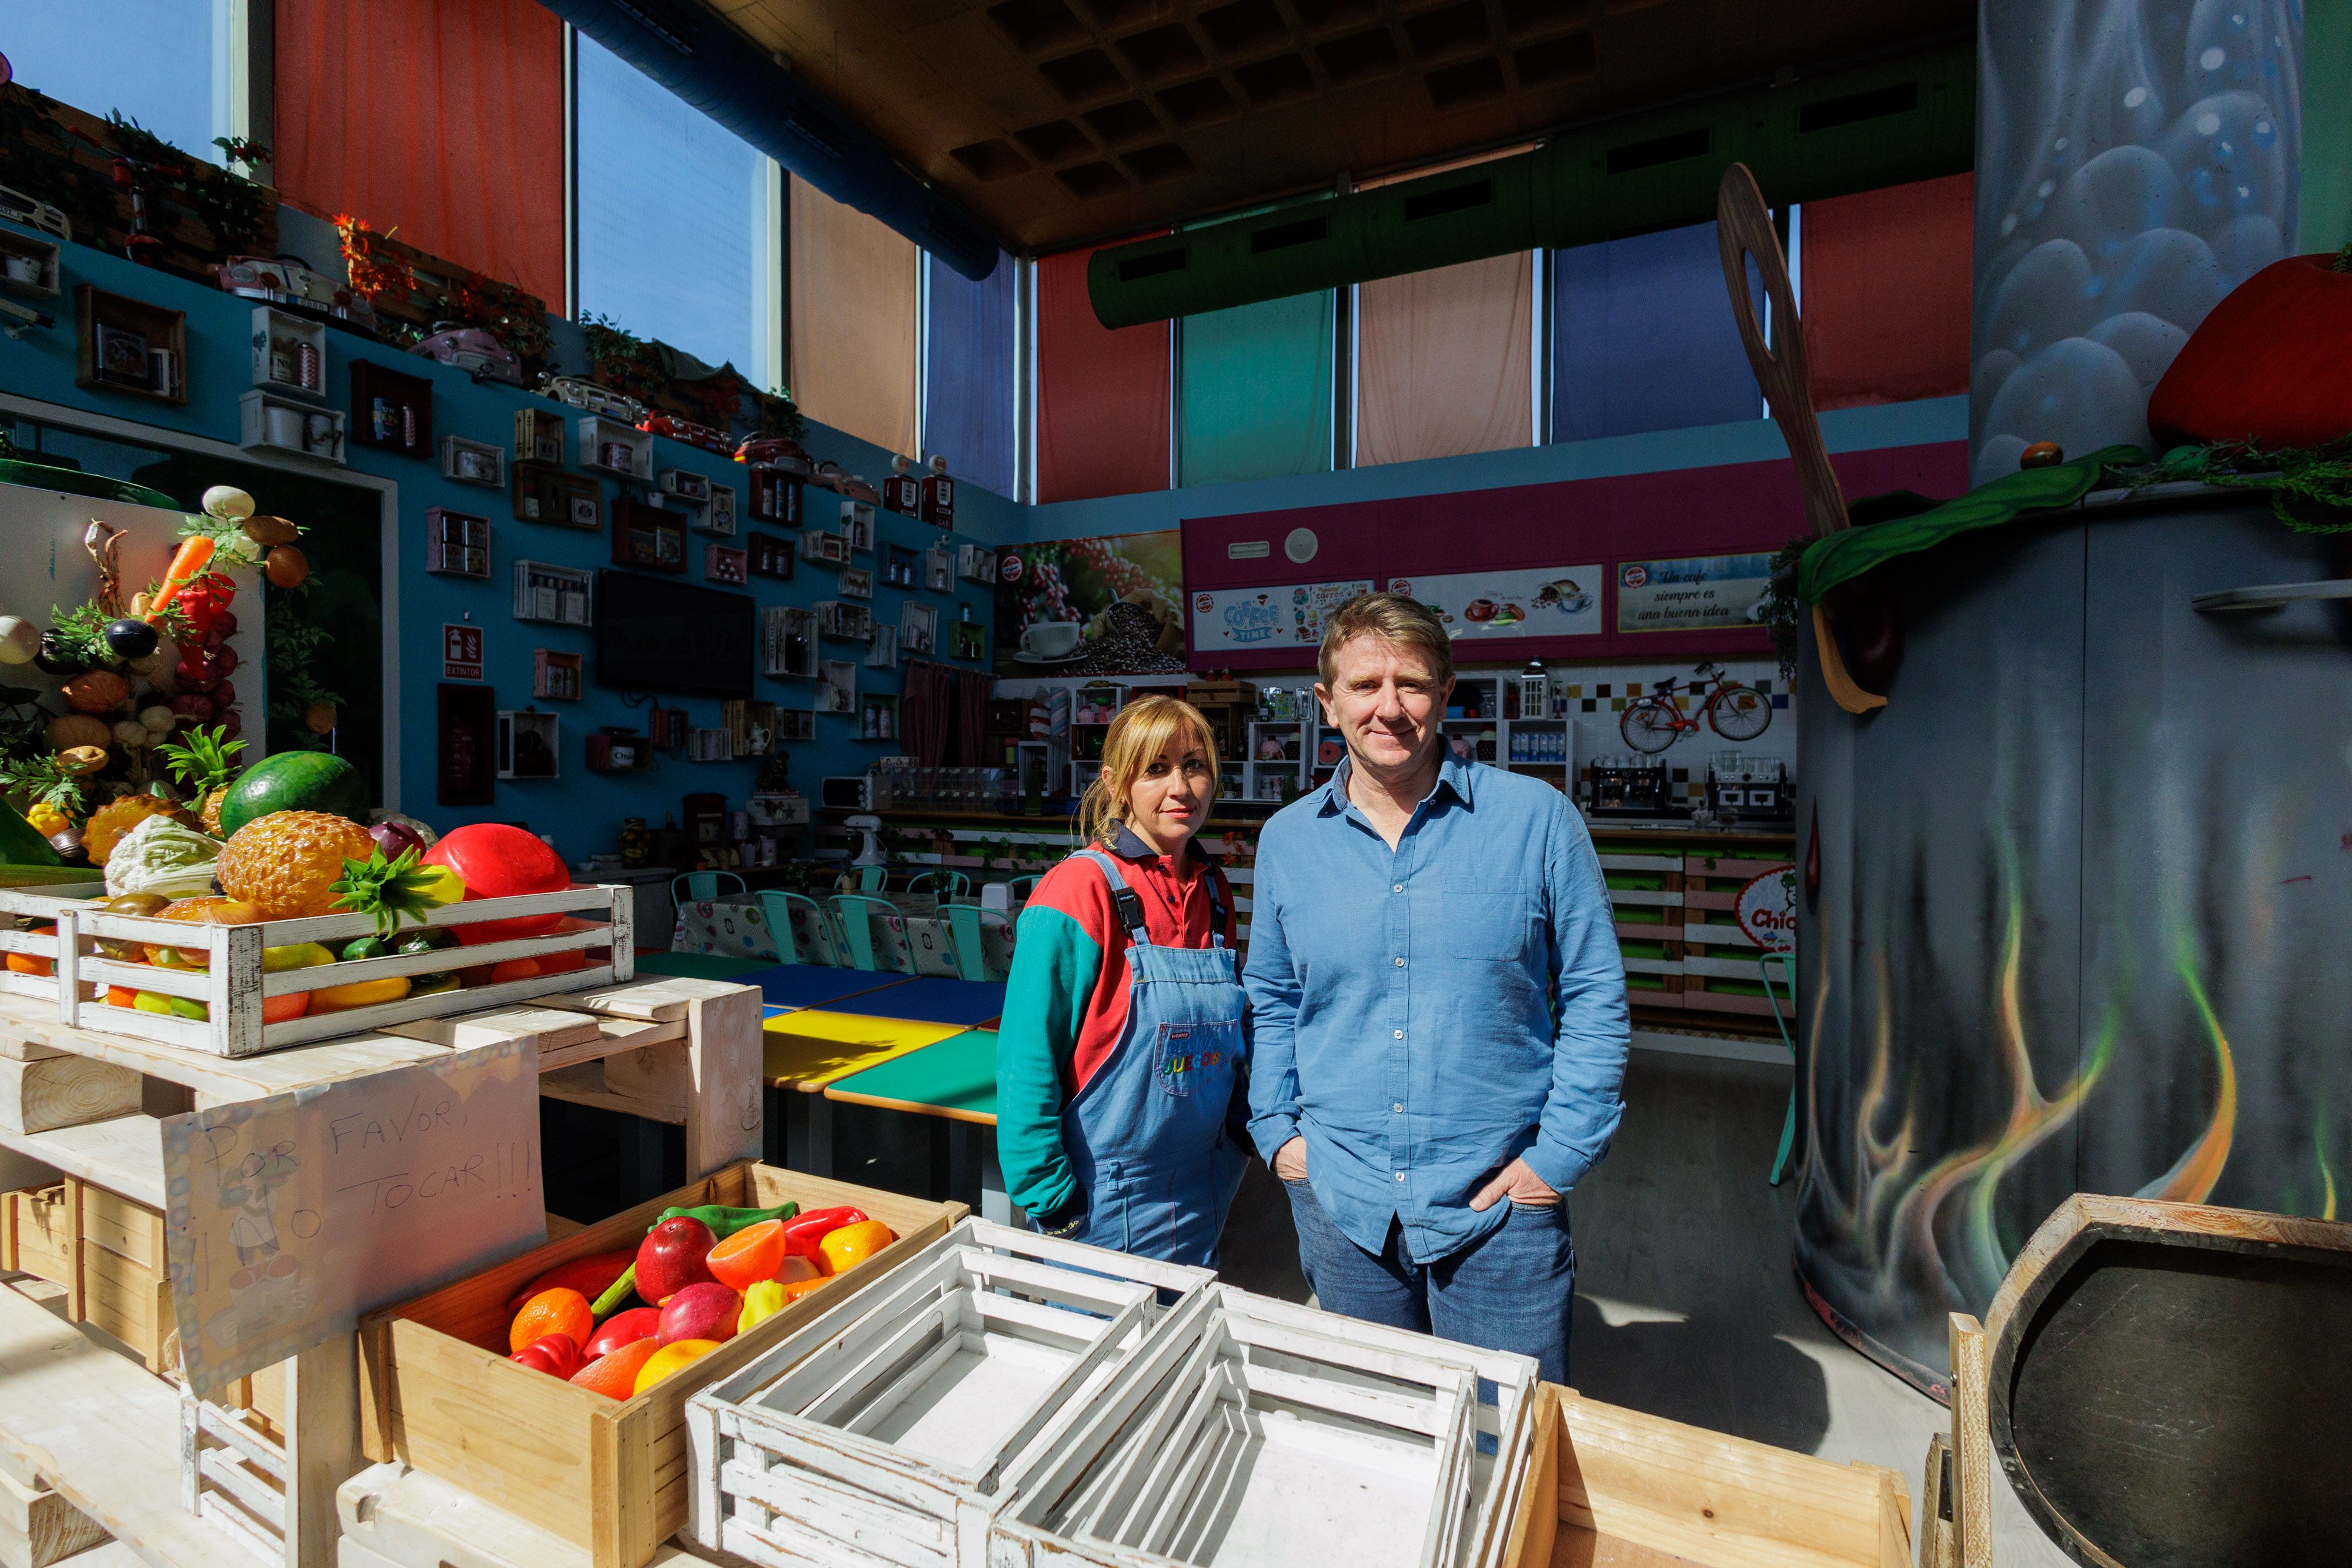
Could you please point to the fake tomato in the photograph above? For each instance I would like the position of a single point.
(497, 860)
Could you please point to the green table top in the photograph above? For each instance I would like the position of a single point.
(700, 966)
(955, 1079)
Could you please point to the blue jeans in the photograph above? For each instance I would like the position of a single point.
(1510, 1289)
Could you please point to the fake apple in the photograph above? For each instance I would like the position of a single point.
(620, 1329)
(707, 1310)
(672, 1256)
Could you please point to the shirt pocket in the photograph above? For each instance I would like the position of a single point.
(1485, 927)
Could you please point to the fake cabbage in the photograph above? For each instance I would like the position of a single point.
(165, 857)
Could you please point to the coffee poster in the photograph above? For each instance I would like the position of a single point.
(1257, 619)
(1108, 606)
(1533, 601)
(1697, 593)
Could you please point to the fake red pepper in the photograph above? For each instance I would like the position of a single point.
(591, 1276)
(553, 1354)
(802, 1236)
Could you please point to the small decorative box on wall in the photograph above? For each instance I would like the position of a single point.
(528, 745)
(976, 564)
(391, 410)
(725, 563)
(290, 353)
(614, 448)
(856, 582)
(795, 724)
(917, 626)
(858, 524)
(787, 641)
(938, 569)
(774, 497)
(970, 640)
(558, 595)
(554, 676)
(457, 544)
(539, 436)
(125, 345)
(898, 567)
(473, 463)
(849, 623)
(877, 716)
(268, 423)
(771, 557)
(544, 495)
(688, 487)
(823, 548)
(718, 517)
(648, 538)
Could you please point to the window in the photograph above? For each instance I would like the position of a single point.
(1643, 338)
(678, 220)
(163, 63)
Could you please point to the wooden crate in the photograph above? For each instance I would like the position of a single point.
(36, 1235)
(38, 1528)
(233, 986)
(900, 1415)
(438, 1393)
(1612, 1485)
(125, 1277)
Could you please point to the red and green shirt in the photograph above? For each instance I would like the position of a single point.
(1066, 1000)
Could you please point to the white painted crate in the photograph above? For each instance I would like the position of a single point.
(1252, 1434)
(233, 986)
(37, 903)
(234, 1477)
(886, 1429)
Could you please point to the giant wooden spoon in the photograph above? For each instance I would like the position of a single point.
(1744, 231)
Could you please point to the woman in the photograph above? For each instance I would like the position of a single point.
(1118, 1066)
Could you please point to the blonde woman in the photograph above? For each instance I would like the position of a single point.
(1118, 1069)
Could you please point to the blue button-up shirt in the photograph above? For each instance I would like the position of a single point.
(1425, 1015)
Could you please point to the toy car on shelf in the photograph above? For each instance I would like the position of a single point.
(288, 281)
(590, 398)
(33, 213)
(685, 429)
(780, 452)
(473, 350)
(833, 476)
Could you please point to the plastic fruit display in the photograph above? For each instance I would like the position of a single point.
(111, 823)
(614, 1374)
(554, 1354)
(672, 1256)
(313, 781)
(288, 862)
(205, 761)
(624, 1328)
(708, 1311)
(853, 1244)
(668, 1359)
(207, 911)
(750, 1256)
(559, 1310)
(495, 859)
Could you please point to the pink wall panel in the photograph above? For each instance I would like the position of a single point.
(1732, 509)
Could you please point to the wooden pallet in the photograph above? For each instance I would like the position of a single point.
(38, 1528)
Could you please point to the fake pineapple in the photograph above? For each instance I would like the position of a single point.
(290, 862)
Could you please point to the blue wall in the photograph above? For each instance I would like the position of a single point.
(581, 810)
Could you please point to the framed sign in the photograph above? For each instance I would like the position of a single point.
(1767, 909)
(1694, 593)
(461, 652)
(1533, 601)
(1255, 618)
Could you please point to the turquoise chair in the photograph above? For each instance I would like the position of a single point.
(968, 926)
(701, 884)
(942, 884)
(854, 914)
(866, 879)
(1788, 984)
(777, 904)
(1020, 887)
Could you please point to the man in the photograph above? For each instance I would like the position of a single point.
(1439, 1029)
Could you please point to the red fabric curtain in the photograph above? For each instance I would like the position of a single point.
(1102, 396)
(441, 118)
(1887, 278)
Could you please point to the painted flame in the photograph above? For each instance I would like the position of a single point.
(2192, 1176)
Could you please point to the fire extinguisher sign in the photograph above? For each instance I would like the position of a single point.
(461, 652)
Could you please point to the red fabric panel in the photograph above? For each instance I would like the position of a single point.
(1887, 278)
(443, 119)
(1102, 396)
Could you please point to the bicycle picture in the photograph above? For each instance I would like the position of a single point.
(1734, 710)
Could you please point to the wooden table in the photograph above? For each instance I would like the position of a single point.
(806, 1051)
(953, 1080)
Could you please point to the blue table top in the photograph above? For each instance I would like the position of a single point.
(817, 985)
(930, 999)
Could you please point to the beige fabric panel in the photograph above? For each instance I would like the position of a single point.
(1443, 366)
(855, 321)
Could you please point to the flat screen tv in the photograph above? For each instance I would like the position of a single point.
(669, 639)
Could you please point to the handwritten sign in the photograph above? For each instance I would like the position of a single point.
(289, 1216)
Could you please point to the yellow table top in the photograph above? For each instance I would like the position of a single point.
(811, 1048)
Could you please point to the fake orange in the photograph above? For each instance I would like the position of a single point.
(677, 1353)
(753, 1254)
(614, 1374)
(559, 1310)
(853, 1244)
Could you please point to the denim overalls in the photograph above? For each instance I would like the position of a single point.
(1146, 1136)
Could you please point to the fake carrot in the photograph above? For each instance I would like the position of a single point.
(187, 564)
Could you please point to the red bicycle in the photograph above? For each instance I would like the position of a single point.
(1735, 710)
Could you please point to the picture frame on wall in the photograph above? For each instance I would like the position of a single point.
(465, 462)
(917, 626)
(856, 582)
(938, 569)
(457, 544)
(554, 677)
(770, 556)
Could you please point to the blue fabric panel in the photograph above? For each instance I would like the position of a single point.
(1642, 338)
(968, 378)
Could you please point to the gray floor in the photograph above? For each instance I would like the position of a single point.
(1685, 1306)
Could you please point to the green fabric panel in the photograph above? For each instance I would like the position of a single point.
(1256, 391)
(1848, 553)
(1055, 963)
(2327, 196)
